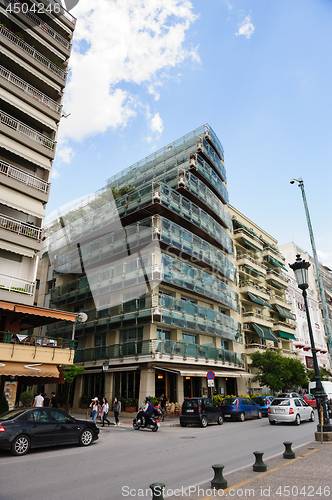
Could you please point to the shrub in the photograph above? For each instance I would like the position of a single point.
(154, 400)
(26, 398)
(3, 404)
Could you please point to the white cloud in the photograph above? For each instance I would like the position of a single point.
(157, 124)
(117, 42)
(246, 28)
(325, 258)
(54, 174)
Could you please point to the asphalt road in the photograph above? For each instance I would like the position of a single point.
(124, 459)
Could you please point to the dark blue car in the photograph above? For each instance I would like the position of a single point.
(240, 408)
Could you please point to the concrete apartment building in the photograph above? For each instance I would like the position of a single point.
(35, 45)
(267, 314)
(302, 342)
(154, 272)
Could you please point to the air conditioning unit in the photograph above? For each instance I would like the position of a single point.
(193, 162)
(200, 146)
(156, 197)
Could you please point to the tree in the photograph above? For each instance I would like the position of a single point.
(324, 374)
(278, 372)
(69, 375)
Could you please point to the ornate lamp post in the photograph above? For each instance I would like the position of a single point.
(105, 368)
(300, 268)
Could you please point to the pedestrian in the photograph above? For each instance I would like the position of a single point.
(163, 401)
(54, 400)
(46, 400)
(94, 406)
(105, 412)
(116, 409)
(100, 413)
(38, 401)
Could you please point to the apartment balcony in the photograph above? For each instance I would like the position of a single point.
(25, 50)
(32, 350)
(62, 13)
(275, 299)
(26, 91)
(277, 279)
(20, 228)
(24, 178)
(21, 10)
(260, 319)
(249, 238)
(168, 350)
(16, 289)
(27, 135)
(255, 288)
(249, 266)
(274, 252)
(253, 347)
(284, 327)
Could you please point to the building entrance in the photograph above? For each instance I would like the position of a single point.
(192, 387)
(231, 386)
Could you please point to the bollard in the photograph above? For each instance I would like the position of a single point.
(288, 453)
(218, 482)
(157, 491)
(259, 465)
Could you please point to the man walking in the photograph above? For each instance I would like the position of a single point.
(38, 401)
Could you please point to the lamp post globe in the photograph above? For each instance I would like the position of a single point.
(300, 268)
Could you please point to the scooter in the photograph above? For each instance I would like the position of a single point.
(150, 422)
(158, 413)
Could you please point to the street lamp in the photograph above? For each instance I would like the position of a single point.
(300, 268)
(105, 368)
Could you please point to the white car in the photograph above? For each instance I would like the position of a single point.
(290, 410)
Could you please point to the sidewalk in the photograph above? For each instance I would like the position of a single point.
(125, 418)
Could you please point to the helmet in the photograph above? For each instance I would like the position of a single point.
(148, 398)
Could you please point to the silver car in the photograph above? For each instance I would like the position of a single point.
(290, 410)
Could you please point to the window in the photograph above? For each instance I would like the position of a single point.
(131, 334)
(38, 416)
(100, 339)
(163, 334)
(224, 344)
(58, 416)
(189, 338)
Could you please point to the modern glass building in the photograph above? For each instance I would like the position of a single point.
(149, 259)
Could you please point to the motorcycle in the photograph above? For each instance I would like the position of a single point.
(158, 412)
(150, 422)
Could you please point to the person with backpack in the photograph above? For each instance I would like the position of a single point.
(147, 411)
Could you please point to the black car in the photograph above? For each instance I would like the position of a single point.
(26, 428)
(200, 411)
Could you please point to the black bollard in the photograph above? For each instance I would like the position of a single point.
(259, 465)
(218, 482)
(288, 453)
(157, 491)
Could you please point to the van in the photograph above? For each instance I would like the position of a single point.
(327, 386)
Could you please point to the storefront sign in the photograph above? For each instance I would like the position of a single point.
(309, 362)
(10, 389)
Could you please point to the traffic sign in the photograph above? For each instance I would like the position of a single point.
(210, 382)
(210, 375)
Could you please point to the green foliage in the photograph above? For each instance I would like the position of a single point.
(117, 193)
(130, 402)
(71, 372)
(154, 400)
(3, 403)
(276, 371)
(217, 399)
(85, 400)
(324, 374)
(26, 398)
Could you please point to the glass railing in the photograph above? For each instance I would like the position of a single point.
(154, 346)
(212, 136)
(210, 175)
(211, 154)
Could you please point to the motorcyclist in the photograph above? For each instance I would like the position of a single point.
(148, 410)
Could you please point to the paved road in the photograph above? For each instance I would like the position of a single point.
(124, 458)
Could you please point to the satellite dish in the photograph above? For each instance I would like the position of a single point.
(81, 317)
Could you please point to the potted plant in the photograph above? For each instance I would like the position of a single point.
(131, 405)
(26, 398)
(84, 402)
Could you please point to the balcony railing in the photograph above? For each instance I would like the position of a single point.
(12, 284)
(275, 297)
(254, 261)
(241, 231)
(19, 227)
(25, 130)
(29, 89)
(63, 11)
(283, 324)
(274, 252)
(20, 175)
(33, 52)
(277, 274)
(255, 286)
(157, 346)
(23, 339)
(24, 8)
(254, 314)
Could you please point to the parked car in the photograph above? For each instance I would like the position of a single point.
(290, 410)
(240, 408)
(202, 411)
(264, 402)
(26, 428)
(289, 395)
(310, 400)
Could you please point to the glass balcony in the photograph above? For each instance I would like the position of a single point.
(155, 346)
(204, 169)
(211, 154)
(24, 177)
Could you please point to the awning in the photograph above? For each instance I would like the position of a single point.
(21, 202)
(284, 312)
(33, 316)
(29, 369)
(286, 335)
(254, 271)
(277, 263)
(200, 373)
(265, 333)
(11, 247)
(278, 285)
(27, 153)
(46, 313)
(251, 245)
(258, 300)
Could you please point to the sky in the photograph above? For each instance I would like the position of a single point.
(259, 72)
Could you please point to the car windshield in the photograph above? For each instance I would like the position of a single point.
(8, 415)
(283, 402)
(191, 403)
(260, 401)
(229, 401)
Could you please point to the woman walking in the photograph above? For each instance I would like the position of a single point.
(105, 412)
(116, 409)
(94, 406)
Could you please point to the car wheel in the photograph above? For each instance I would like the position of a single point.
(20, 446)
(204, 422)
(297, 420)
(183, 424)
(312, 417)
(86, 438)
(241, 417)
(260, 414)
(220, 420)
(272, 422)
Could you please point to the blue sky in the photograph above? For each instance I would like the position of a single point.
(259, 72)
